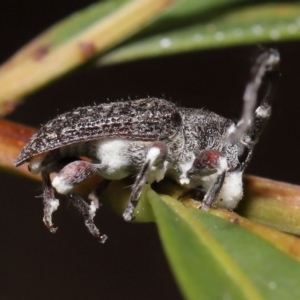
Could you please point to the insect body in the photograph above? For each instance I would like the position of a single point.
(152, 138)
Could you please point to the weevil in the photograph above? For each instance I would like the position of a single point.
(152, 139)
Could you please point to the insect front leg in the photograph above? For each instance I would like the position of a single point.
(263, 112)
(152, 170)
(210, 167)
(71, 175)
(266, 66)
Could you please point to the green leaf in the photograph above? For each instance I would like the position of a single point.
(189, 25)
(272, 203)
(216, 259)
(73, 43)
(240, 26)
(188, 12)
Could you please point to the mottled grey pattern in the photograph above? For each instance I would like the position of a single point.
(185, 130)
(145, 120)
(204, 129)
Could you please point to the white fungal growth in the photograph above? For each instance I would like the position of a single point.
(111, 153)
(52, 206)
(231, 130)
(232, 191)
(153, 154)
(185, 167)
(61, 186)
(263, 112)
(93, 209)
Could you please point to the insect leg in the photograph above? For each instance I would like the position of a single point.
(152, 170)
(88, 213)
(213, 192)
(94, 195)
(207, 165)
(50, 203)
(266, 64)
(57, 166)
(71, 175)
(263, 112)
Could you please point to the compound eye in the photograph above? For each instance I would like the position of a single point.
(243, 153)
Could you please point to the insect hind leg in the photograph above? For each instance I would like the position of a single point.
(48, 166)
(71, 175)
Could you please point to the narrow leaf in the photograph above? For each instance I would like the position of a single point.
(118, 193)
(198, 260)
(273, 203)
(269, 202)
(289, 244)
(216, 259)
(243, 26)
(52, 55)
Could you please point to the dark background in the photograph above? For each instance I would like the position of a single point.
(35, 264)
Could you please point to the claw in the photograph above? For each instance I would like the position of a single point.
(88, 213)
(50, 206)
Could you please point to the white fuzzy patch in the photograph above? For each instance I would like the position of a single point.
(231, 129)
(153, 154)
(263, 112)
(35, 164)
(53, 205)
(223, 165)
(185, 167)
(112, 154)
(156, 173)
(231, 192)
(50, 207)
(61, 186)
(93, 209)
(274, 58)
(159, 174)
(208, 181)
